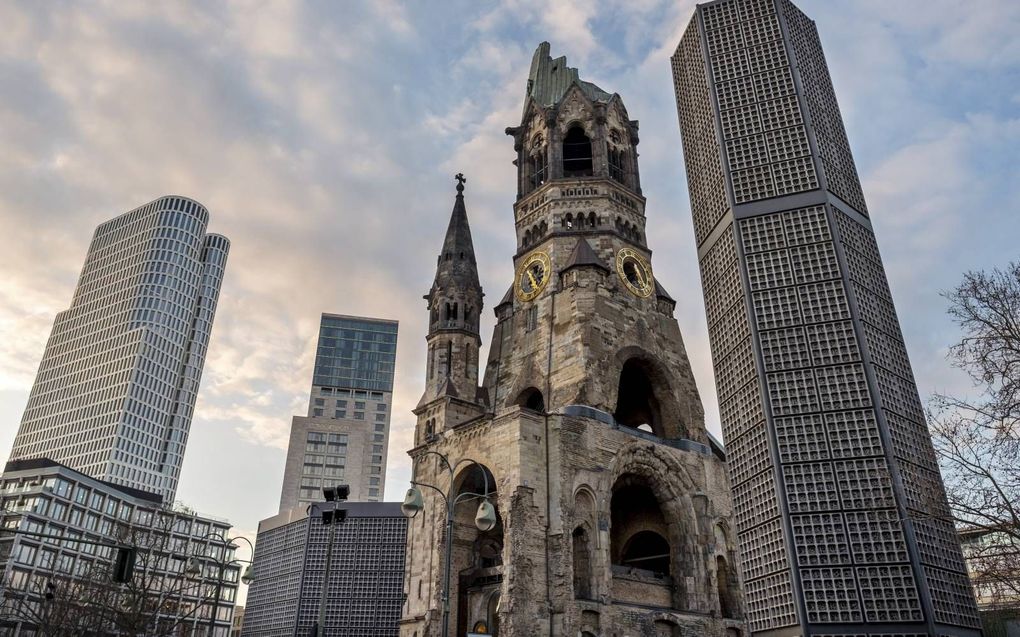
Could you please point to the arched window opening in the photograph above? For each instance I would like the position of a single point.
(568, 222)
(490, 552)
(638, 528)
(479, 570)
(538, 169)
(493, 612)
(727, 603)
(636, 403)
(430, 427)
(576, 153)
(666, 628)
(616, 165)
(532, 399)
(648, 551)
(582, 564)
(593, 221)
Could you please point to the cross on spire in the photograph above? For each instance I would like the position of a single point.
(461, 180)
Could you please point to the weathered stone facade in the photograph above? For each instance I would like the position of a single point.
(614, 509)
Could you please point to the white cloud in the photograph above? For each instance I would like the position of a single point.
(324, 143)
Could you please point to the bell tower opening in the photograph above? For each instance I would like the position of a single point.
(577, 161)
(636, 404)
(531, 399)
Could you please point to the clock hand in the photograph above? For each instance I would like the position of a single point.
(531, 278)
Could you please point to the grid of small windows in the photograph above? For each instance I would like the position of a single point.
(124, 361)
(766, 144)
(366, 587)
(702, 159)
(820, 100)
(826, 411)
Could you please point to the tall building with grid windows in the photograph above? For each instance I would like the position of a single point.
(841, 516)
(344, 437)
(366, 583)
(116, 387)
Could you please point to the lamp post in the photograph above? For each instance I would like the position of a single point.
(485, 517)
(331, 517)
(247, 577)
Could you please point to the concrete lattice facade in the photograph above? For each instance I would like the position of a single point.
(117, 384)
(613, 503)
(366, 580)
(345, 436)
(840, 510)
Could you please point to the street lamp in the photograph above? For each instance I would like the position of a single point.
(194, 569)
(485, 517)
(331, 517)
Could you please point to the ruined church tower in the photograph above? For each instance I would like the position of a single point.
(614, 514)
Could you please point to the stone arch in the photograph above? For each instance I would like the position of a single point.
(532, 399)
(727, 585)
(645, 395)
(644, 464)
(477, 561)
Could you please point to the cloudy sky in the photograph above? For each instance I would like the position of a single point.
(323, 138)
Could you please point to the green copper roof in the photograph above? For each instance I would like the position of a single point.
(549, 80)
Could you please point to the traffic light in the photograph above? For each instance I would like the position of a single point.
(124, 568)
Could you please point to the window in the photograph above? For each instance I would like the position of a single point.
(317, 412)
(359, 415)
(380, 407)
(340, 413)
(319, 402)
(341, 403)
(380, 417)
(576, 153)
(359, 405)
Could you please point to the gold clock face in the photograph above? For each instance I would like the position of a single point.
(635, 272)
(532, 276)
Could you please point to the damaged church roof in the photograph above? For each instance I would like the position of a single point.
(549, 80)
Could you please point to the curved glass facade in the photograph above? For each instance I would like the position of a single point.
(117, 383)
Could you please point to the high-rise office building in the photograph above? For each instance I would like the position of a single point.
(841, 514)
(116, 387)
(366, 582)
(344, 437)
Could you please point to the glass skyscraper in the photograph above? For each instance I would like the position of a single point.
(840, 511)
(345, 436)
(117, 384)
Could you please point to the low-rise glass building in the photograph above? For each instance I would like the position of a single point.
(60, 533)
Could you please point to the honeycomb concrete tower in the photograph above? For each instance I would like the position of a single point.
(841, 516)
(117, 383)
(614, 513)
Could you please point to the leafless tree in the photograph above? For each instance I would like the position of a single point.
(977, 437)
(158, 601)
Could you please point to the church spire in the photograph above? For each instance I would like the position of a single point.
(455, 303)
(456, 265)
